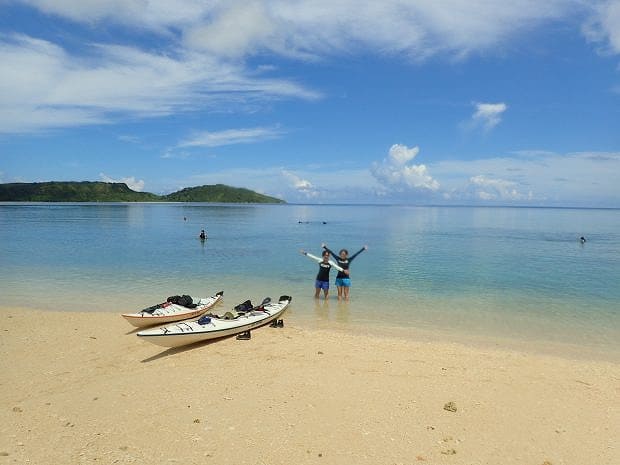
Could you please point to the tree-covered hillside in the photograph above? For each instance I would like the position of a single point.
(85, 191)
(220, 193)
(119, 192)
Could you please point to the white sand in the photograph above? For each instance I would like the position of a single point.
(81, 388)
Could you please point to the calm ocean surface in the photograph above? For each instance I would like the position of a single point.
(511, 273)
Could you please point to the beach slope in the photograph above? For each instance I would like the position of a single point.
(81, 388)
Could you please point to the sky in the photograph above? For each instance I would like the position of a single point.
(460, 102)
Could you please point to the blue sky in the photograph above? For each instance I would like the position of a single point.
(340, 101)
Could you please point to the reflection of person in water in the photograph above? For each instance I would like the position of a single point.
(202, 235)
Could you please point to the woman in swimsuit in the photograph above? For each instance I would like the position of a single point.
(322, 277)
(343, 279)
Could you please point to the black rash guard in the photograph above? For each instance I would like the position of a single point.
(323, 274)
(344, 264)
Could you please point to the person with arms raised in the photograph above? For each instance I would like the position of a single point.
(322, 277)
(343, 279)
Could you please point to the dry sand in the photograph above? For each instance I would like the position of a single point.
(81, 388)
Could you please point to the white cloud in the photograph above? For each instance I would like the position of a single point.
(132, 182)
(487, 115)
(44, 87)
(302, 186)
(399, 155)
(417, 28)
(153, 14)
(129, 138)
(394, 174)
(237, 30)
(536, 176)
(485, 188)
(604, 25)
(28, 67)
(230, 137)
(203, 46)
(175, 154)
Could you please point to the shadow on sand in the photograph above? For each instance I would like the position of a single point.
(180, 350)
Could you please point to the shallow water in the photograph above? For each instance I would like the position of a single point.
(517, 273)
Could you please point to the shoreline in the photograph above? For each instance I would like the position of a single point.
(348, 318)
(292, 395)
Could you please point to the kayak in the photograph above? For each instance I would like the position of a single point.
(169, 311)
(211, 326)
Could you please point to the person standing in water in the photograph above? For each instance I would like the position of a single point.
(202, 235)
(322, 277)
(343, 279)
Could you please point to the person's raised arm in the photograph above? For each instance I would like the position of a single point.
(358, 252)
(309, 255)
(331, 252)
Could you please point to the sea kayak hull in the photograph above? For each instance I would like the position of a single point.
(191, 332)
(172, 312)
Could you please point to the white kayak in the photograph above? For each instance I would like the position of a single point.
(211, 326)
(168, 312)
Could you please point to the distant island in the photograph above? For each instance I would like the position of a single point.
(95, 191)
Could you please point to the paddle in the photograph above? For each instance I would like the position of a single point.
(265, 301)
(240, 309)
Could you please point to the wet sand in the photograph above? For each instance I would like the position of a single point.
(81, 388)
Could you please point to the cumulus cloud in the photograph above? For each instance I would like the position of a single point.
(302, 186)
(395, 173)
(132, 182)
(231, 137)
(487, 115)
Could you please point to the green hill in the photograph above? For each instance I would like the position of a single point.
(119, 192)
(72, 192)
(220, 193)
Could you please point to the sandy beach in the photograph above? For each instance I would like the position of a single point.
(80, 388)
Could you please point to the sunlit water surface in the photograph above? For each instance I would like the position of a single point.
(517, 274)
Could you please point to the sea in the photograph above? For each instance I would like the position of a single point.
(491, 275)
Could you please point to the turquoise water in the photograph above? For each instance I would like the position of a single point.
(518, 273)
